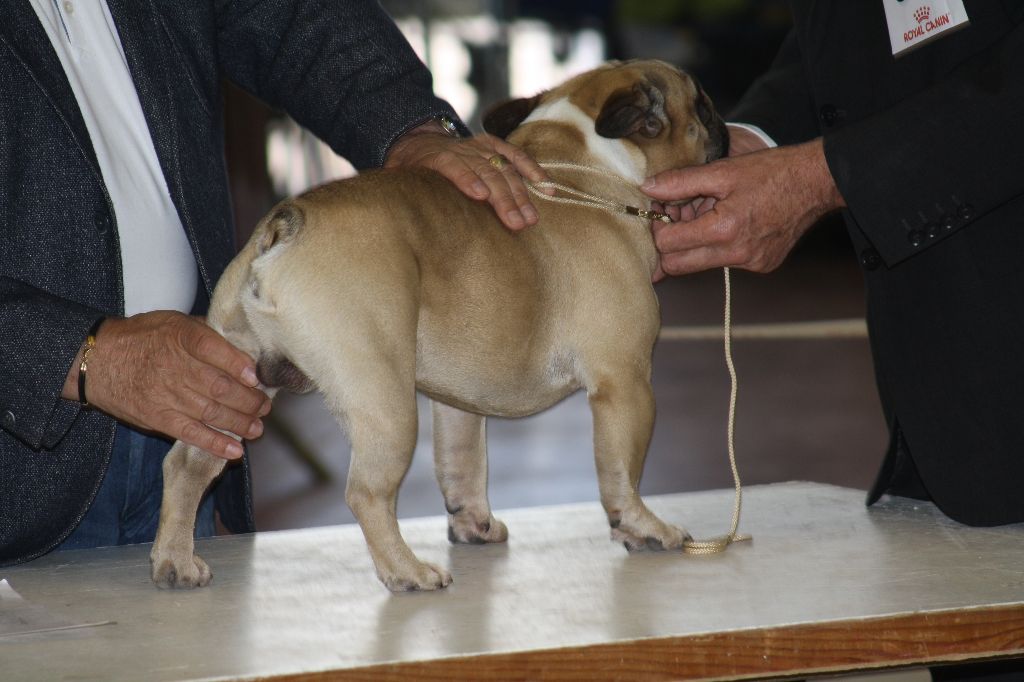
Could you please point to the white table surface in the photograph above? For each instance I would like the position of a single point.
(299, 603)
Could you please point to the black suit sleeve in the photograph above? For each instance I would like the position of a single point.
(341, 69)
(939, 159)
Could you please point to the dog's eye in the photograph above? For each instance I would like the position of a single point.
(652, 126)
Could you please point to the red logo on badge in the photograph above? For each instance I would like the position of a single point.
(925, 23)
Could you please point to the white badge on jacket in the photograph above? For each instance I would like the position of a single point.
(913, 23)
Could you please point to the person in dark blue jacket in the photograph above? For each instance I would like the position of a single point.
(115, 224)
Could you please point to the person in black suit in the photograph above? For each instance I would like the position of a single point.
(922, 154)
(342, 69)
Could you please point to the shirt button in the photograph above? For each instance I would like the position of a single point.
(68, 7)
(8, 420)
(870, 259)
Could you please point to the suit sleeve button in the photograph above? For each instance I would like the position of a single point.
(948, 222)
(915, 237)
(932, 230)
(103, 222)
(965, 211)
(829, 115)
(870, 259)
(8, 420)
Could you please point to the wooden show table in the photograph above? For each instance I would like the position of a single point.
(826, 585)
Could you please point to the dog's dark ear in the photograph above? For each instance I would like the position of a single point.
(640, 109)
(504, 117)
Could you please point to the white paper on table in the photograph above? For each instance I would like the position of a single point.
(20, 617)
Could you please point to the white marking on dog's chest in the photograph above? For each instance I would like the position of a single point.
(615, 155)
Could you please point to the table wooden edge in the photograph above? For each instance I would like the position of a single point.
(893, 641)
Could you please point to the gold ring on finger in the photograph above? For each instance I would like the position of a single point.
(498, 161)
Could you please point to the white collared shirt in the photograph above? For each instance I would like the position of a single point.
(756, 130)
(160, 271)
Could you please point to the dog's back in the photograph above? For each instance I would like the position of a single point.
(499, 318)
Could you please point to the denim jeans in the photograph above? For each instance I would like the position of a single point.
(127, 507)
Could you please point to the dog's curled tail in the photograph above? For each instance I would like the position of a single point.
(280, 227)
(268, 242)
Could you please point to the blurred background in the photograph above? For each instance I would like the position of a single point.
(807, 408)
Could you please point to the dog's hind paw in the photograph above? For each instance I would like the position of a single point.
(424, 577)
(188, 573)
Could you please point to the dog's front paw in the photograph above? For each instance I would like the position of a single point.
(422, 576)
(462, 528)
(671, 540)
(180, 572)
(643, 530)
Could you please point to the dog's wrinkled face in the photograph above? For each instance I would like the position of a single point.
(653, 105)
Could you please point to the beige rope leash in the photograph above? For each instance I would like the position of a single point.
(586, 199)
(578, 197)
(718, 544)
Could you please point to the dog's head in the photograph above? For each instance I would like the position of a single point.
(660, 113)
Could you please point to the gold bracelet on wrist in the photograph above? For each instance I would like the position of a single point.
(83, 366)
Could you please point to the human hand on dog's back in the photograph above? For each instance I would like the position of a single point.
(466, 163)
(168, 372)
(750, 209)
